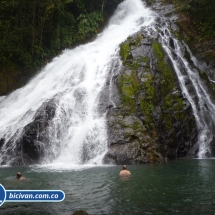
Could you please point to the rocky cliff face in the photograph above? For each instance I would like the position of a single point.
(151, 122)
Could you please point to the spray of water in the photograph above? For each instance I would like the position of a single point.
(73, 80)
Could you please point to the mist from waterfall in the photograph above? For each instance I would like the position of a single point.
(73, 81)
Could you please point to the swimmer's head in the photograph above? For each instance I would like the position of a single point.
(124, 167)
(18, 175)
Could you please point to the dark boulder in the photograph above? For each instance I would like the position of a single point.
(30, 147)
(1, 142)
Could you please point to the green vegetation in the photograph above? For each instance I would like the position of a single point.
(148, 101)
(125, 51)
(149, 2)
(200, 18)
(145, 59)
(137, 41)
(129, 85)
(201, 13)
(33, 32)
(167, 83)
(172, 103)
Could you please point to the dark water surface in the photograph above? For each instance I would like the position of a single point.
(178, 187)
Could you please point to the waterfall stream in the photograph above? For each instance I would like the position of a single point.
(74, 81)
(192, 88)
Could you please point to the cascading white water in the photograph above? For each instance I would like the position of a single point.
(74, 80)
(192, 88)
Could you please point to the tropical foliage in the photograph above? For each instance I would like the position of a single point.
(32, 32)
(200, 14)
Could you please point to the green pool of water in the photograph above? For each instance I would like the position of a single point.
(179, 187)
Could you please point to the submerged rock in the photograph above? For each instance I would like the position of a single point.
(80, 212)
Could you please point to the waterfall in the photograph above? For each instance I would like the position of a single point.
(73, 81)
(192, 88)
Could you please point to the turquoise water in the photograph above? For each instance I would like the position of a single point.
(178, 187)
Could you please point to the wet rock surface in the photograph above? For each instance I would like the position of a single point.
(30, 147)
(151, 121)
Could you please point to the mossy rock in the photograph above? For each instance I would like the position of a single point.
(129, 85)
